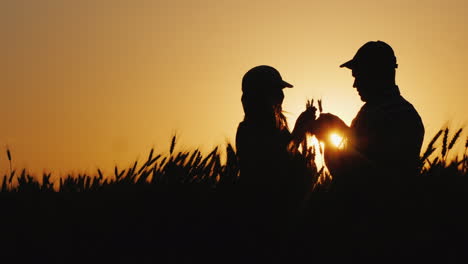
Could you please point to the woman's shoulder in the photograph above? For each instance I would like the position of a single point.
(252, 128)
(261, 129)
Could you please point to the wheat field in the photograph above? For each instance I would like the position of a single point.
(186, 207)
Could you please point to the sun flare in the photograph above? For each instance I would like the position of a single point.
(336, 139)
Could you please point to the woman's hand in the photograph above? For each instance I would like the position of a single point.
(304, 123)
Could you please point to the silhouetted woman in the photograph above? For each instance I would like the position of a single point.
(263, 140)
(273, 176)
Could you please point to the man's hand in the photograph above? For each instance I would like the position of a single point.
(327, 123)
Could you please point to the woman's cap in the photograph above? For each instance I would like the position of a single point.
(264, 76)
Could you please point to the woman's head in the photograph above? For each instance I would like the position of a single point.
(263, 77)
(262, 93)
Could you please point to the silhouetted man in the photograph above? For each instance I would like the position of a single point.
(384, 140)
(373, 169)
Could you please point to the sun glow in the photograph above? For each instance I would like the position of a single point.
(336, 139)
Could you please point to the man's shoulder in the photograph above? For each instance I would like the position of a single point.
(394, 104)
(396, 110)
(394, 107)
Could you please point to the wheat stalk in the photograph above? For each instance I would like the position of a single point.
(9, 157)
(455, 138)
(173, 142)
(444, 142)
(430, 147)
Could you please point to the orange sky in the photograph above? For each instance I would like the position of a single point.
(99, 82)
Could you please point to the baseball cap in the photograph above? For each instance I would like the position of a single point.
(373, 54)
(264, 76)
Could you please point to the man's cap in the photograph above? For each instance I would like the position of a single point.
(264, 76)
(373, 54)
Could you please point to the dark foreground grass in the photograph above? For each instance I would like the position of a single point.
(187, 207)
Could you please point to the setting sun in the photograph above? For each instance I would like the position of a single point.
(336, 139)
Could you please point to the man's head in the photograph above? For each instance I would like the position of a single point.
(373, 68)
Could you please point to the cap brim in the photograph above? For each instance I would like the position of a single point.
(348, 64)
(287, 85)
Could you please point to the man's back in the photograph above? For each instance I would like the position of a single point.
(389, 132)
(383, 147)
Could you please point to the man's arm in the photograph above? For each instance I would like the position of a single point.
(339, 160)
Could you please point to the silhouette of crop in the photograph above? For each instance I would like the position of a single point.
(213, 169)
(189, 207)
(441, 161)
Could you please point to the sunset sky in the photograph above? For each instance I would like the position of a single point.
(94, 83)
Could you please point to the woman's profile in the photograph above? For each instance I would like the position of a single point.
(263, 140)
(274, 177)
